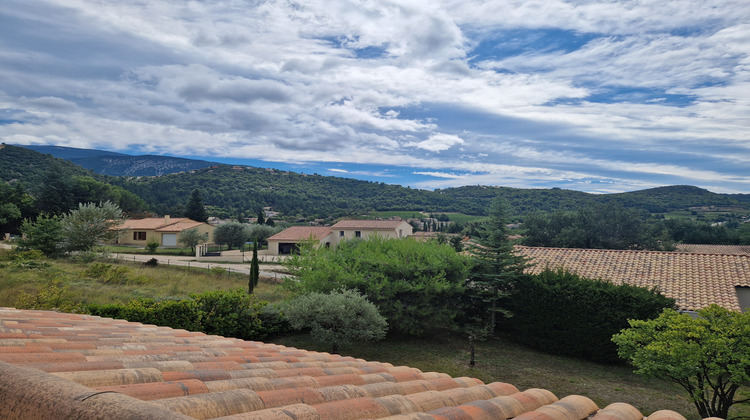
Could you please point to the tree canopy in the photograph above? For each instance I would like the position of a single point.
(708, 356)
(416, 285)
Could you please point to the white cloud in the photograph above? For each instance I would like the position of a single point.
(383, 81)
(439, 142)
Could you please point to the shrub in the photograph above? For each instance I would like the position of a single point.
(415, 285)
(54, 295)
(151, 246)
(228, 313)
(108, 274)
(338, 318)
(561, 313)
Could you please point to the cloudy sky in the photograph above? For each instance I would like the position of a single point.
(597, 96)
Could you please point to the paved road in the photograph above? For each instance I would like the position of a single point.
(266, 270)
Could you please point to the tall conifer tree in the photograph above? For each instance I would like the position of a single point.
(195, 209)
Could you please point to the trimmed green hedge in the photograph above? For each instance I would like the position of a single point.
(231, 313)
(561, 313)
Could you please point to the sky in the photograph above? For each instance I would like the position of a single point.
(595, 96)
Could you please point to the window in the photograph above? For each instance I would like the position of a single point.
(341, 234)
(357, 234)
(139, 236)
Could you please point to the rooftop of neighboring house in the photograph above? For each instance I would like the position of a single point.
(715, 249)
(302, 233)
(179, 226)
(58, 365)
(368, 224)
(693, 280)
(152, 222)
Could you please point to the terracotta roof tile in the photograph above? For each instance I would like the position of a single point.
(715, 249)
(96, 367)
(302, 233)
(150, 223)
(367, 224)
(693, 280)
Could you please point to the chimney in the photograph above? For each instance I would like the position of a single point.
(166, 217)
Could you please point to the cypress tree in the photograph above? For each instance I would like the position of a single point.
(195, 209)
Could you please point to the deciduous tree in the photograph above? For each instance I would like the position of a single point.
(708, 356)
(90, 224)
(191, 238)
(231, 234)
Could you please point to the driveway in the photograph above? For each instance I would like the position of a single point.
(266, 270)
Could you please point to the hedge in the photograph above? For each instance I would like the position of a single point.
(561, 313)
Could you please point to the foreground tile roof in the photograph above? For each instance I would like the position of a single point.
(70, 366)
(693, 280)
(301, 233)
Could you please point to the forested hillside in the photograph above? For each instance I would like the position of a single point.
(57, 185)
(119, 164)
(231, 191)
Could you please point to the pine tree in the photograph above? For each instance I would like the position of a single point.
(195, 209)
(496, 264)
(261, 217)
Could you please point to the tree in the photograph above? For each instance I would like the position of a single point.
(231, 234)
(90, 224)
(495, 263)
(191, 238)
(56, 195)
(415, 285)
(708, 356)
(337, 318)
(195, 209)
(259, 233)
(261, 218)
(45, 234)
(254, 270)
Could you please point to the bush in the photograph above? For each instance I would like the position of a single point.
(338, 318)
(151, 246)
(227, 313)
(561, 313)
(415, 285)
(108, 274)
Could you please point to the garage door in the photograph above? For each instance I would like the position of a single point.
(169, 239)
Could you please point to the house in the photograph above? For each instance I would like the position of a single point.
(165, 230)
(75, 366)
(694, 280)
(351, 229)
(289, 240)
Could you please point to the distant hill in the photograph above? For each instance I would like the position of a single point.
(119, 164)
(33, 169)
(231, 190)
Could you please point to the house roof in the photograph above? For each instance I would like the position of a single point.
(695, 281)
(368, 224)
(715, 249)
(184, 224)
(57, 365)
(149, 223)
(160, 224)
(302, 233)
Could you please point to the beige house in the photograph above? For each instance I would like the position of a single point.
(351, 229)
(288, 240)
(165, 230)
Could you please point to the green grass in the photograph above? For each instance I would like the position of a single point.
(150, 282)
